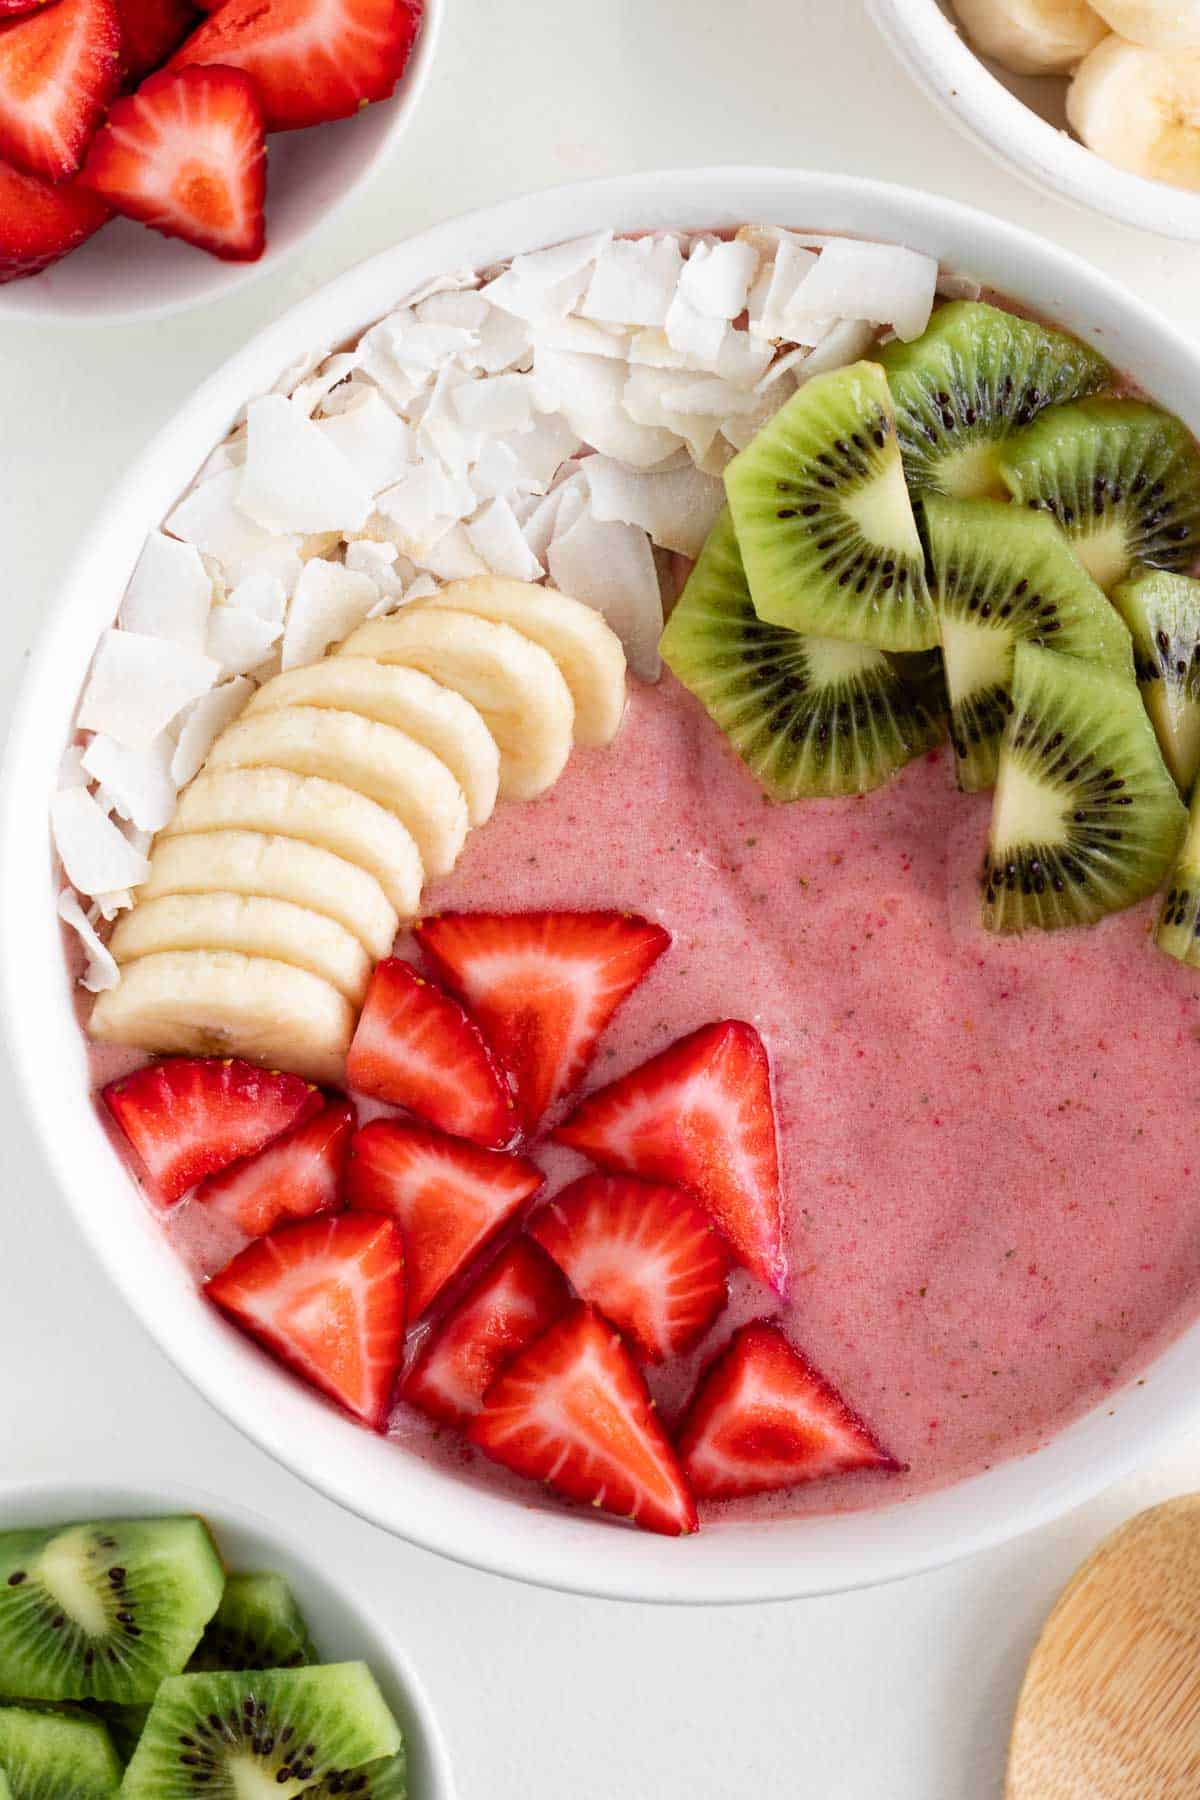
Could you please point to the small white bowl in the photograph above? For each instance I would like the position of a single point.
(1022, 120)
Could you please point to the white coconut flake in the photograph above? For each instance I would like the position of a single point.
(422, 507)
(546, 284)
(611, 567)
(502, 342)
(107, 906)
(716, 278)
(203, 723)
(581, 335)
(169, 593)
(496, 536)
(139, 683)
(265, 596)
(295, 478)
(590, 394)
(677, 508)
(373, 439)
(239, 639)
(138, 782)
(775, 289)
(311, 394)
(453, 558)
(498, 403)
(423, 588)
(468, 311)
(279, 560)
(496, 471)
(101, 971)
(695, 335)
(95, 855)
(884, 283)
(376, 358)
(71, 772)
(210, 518)
(328, 603)
(382, 564)
(634, 281)
(847, 343)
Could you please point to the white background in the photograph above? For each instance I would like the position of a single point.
(905, 1692)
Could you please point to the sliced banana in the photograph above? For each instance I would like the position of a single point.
(436, 716)
(252, 925)
(512, 681)
(1032, 37)
(1140, 110)
(1155, 24)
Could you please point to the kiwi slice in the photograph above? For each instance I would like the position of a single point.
(56, 1756)
(386, 1780)
(103, 1611)
(976, 374)
(807, 715)
(824, 520)
(125, 1724)
(1121, 479)
(1086, 818)
(1163, 613)
(1000, 576)
(273, 1732)
(1178, 930)
(257, 1626)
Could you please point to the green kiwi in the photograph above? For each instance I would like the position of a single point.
(56, 1756)
(386, 1780)
(1086, 818)
(1120, 478)
(103, 1611)
(1178, 930)
(975, 375)
(257, 1626)
(1002, 575)
(125, 1724)
(824, 520)
(1163, 613)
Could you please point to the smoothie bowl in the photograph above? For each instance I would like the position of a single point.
(868, 1238)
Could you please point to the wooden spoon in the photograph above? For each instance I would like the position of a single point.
(1110, 1706)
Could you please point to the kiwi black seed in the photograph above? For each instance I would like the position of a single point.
(1119, 477)
(386, 1780)
(1086, 818)
(824, 520)
(808, 716)
(56, 1756)
(257, 1626)
(975, 375)
(1163, 613)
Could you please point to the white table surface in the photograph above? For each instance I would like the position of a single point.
(905, 1691)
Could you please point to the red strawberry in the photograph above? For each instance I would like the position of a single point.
(59, 68)
(40, 223)
(699, 1115)
(186, 155)
(763, 1418)
(543, 986)
(448, 1197)
(296, 1176)
(647, 1256)
(16, 9)
(573, 1410)
(150, 30)
(311, 60)
(415, 1047)
(326, 1297)
(191, 1115)
(513, 1302)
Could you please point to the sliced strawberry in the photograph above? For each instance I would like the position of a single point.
(17, 9)
(150, 30)
(311, 60)
(699, 1115)
(296, 1176)
(646, 1256)
(326, 1297)
(186, 155)
(514, 1301)
(415, 1047)
(59, 68)
(40, 223)
(448, 1197)
(191, 1115)
(543, 986)
(763, 1418)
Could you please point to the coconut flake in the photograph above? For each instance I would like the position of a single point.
(590, 394)
(546, 284)
(169, 593)
(774, 290)
(377, 360)
(71, 772)
(716, 278)
(502, 342)
(452, 558)
(137, 782)
(496, 536)
(676, 508)
(95, 855)
(424, 505)
(101, 971)
(210, 518)
(311, 394)
(849, 340)
(884, 283)
(634, 281)
(695, 335)
(581, 335)
(382, 564)
(139, 683)
(498, 403)
(279, 560)
(295, 478)
(328, 603)
(203, 723)
(467, 310)
(239, 639)
(374, 441)
(263, 595)
(611, 567)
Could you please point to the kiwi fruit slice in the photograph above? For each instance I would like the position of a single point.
(274, 1733)
(1003, 575)
(124, 1724)
(1178, 930)
(103, 1611)
(386, 1780)
(976, 374)
(257, 1626)
(1163, 613)
(808, 716)
(824, 520)
(1119, 477)
(56, 1756)
(1086, 818)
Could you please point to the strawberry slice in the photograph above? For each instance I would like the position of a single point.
(573, 1410)
(150, 30)
(415, 1047)
(40, 223)
(326, 1297)
(646, 1256)
(514, 1301)
(16, 9)
(311, 60)
(192, 1115)
(448, 1197)
(543, 986)
(763, 1418)
(186, 155)
(699, 1115)
(298, 1175)
(59, 68)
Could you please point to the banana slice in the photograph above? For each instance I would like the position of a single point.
(1032, 37)
(1140, 110)
(386, 765)
(322, 814)
(512, 681)
(1155, 24)
(220, 1003)
(585, 647)
(252, 925)
(435, 715)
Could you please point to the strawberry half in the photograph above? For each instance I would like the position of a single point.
(763, 1418)
(513, 1302)
(448, 1197)
(40, 223)
(415, 1047)
(150, 30)
(699, 1115)
(59, 68)
(186, 155)
(296, 1176)
(327, 1298)
(646, 1256)
(192, 1115)
(543, 986)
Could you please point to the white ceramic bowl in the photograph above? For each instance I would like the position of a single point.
(1022, 120)
(458, 1516)
(128, 272)
(342, 1628)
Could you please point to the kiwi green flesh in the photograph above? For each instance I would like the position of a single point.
(55, 1756)
(1163, 613)
(386, 1780)
(808, 716)
(1086, 818)
(1178, 931)
(824, 521)
(257, 1626)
